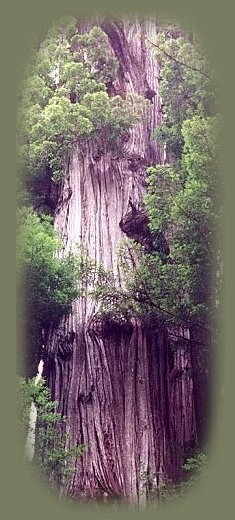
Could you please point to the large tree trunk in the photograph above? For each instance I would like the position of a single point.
(125, 391)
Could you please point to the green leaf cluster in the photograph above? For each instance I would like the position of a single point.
(187, 88)
(168, 491)
(183, 204)
(153, 290)
(54, 458)
(65, 101)
(47, 281)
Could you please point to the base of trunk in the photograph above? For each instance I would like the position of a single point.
(123, 400)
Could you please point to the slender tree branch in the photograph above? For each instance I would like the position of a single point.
(163, 310)
(177, 61)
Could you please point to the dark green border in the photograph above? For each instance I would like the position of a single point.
(22, 22)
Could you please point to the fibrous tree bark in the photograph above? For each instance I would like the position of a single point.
(127, 392)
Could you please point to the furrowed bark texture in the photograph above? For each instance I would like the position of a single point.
(126, 393)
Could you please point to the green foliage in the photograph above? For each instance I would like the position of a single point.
(53, 460)
(196, 463)
(91, 49)
(65, 101)
(161, 180)
(186, 86)
(48, 280)
(152, 290)
(181, 199)
(168, 491)
(183, 204)
(47, 283)
(194, 468)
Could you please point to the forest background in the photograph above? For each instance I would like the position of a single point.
(219, 49)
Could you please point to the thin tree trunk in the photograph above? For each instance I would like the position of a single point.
(30, 441)
(115, 387)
